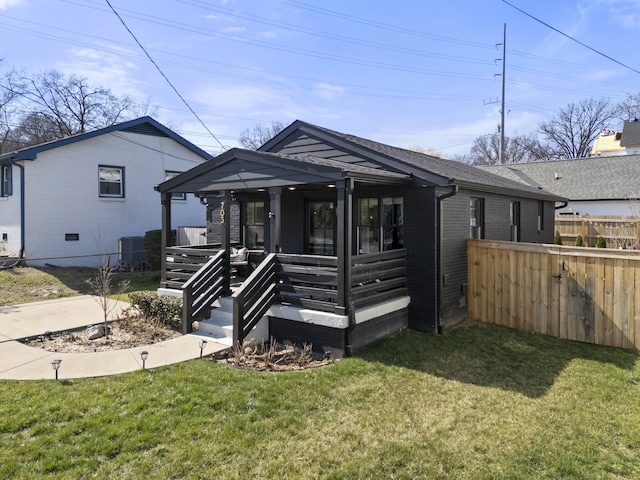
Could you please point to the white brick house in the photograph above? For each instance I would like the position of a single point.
(80, 195)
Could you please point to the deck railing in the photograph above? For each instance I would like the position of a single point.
(252, 300)
(202, 289)
(378, 277)
(181, 263)
(308, 281)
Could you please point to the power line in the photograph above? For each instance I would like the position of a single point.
(574, 39)
(163, 75)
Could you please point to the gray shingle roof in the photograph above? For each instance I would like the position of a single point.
(448, 169)
(594, 178)
(144, 125)
(630, 134)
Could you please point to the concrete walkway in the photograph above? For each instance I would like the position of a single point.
(20, 362)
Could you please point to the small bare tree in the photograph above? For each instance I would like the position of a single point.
(104, 289)
(253, 138)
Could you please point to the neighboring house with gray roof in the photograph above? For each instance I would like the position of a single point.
(593, 186)
(328, 198)
(611, 143)
(65, 202)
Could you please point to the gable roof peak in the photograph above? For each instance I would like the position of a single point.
(136, 125)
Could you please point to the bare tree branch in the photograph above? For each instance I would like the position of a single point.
(571, 132)
(256, 136)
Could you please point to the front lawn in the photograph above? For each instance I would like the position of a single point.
(480, 402)
(31, 284)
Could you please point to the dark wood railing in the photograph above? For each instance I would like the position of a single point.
(202, 289)
(378, 277)
(309, 281)
(181, 263)
(252, 300)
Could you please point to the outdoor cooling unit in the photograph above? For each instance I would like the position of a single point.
(132, 254)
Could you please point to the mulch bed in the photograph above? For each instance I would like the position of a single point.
(126, 333)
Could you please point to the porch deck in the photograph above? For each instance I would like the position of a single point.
(366, 302)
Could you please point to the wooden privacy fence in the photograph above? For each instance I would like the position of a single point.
(618, 231)
(577, 293)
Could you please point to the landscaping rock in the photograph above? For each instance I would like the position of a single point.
(96, 331)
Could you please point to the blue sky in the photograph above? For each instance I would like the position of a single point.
(403, 72)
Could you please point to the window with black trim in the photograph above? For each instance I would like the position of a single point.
(6, 182)
(540, 215)
(111, 181)
(253, 227)
(380, 224)
(514, 218)
(476, 222)
(168, 175)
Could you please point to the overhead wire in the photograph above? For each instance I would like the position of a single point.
(163, 75)
(573, 38)
(378, 92)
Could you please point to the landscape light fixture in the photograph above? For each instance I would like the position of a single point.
(143, 355)
(203, 343)
(56, 366)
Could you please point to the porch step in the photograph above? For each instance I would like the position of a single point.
(220, 326)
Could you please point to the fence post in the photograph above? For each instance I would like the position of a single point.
(187, 310)
(238, 320)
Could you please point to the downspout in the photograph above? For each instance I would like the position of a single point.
(22, 202)
(454, 190)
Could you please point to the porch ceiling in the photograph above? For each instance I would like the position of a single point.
(245, 169)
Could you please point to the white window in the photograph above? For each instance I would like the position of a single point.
(5, 181)
(174, 196)
(111, 181)
(476, 218)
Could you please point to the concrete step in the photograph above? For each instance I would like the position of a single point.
(220, 332)
(220, 326)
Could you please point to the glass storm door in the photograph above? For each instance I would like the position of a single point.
(322, 227)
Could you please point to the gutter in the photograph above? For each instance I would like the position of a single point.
(454, 191)
(562, 205)
(22, 203)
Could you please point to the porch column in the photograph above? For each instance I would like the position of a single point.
(344, 240)
(165, 241)
(225, 237)
(275, 195)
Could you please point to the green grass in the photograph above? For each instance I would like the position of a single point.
(30, 284)
(480, 402)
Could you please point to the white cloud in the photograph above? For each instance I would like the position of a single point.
(5, 4)
(105, 69)
(266, 35)
(210, 16)
(244, 99)
(327, 90)
(599, 75)
(630, 20)
(233, 29)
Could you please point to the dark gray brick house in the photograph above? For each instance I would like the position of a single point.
(377, 233)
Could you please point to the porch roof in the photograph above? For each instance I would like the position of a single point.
(239, 169)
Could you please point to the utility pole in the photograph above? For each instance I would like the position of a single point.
(502, 109)
(502, 99)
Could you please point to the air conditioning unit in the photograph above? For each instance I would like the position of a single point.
(131, 254)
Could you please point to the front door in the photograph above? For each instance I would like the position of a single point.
(322, 227)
